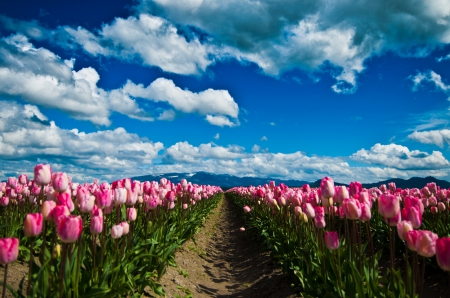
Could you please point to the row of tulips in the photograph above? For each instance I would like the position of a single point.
(332, 238)
(92, 239)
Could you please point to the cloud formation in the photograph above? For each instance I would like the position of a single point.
(434, 137)
(400, 157)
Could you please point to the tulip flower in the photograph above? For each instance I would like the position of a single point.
(327, 188)
(413, 215)
(403, 228)
(32, 225)
(352, 208)
(60, 181)
(319, 219)
(85, 200)
(59, 211)
(103, 198)
(125, 228)
(308, 209)
(65, 199)
(46, 210)
(366, 213)
(23, 179)
(120, 196)
(388, 205)
(426, 243)
(42, 174)
(331, 240)
(4, 201)
(116, 231)
(69, 228)
(96, 224)
(9, 250)
(131, 214)
(247, 209)
(354, 188)
(411, 239)
(443, 253)
(242, 229)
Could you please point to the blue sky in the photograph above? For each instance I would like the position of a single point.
(112, 89)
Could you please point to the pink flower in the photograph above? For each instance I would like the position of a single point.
(116, 231)
(96, 224)
(59, 211)
(403, 228)
(32, 225)
(443, 253)
(319, 219)
(85, 200)
(131, 214)
(125, 228)
(9, 250)
(120, 196)
(23, 179)
(394, 221)
(69, 228)
(242, 229)
(426, 243)
(247, 209)
(65, 199)
(60, 181)
(185, 206)
(332, 240)
(12, 182)
(46, 210)
(308, 209)
(170, 196)
(42, 174)
(103, 198)
(411, 239)
(441, 207)
(327, 188)
(366, 214)
(4, 201)
(355, 188)
(352, 208)
(413, 215)
(388, 205)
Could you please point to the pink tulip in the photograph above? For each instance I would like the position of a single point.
(9, 250)
(23, 179)
(96, 224)
(85, 200)
(411, 239)
(103, 198)
(32, 225)
(332, 240)
(125, 228)
(46, 210)
(341, 194)
(383, 188)
(120, 196)
(388, 205)
(12, 182)
(116, 231)
(319, 219)
(59, 211)
(394, 221)
(131, 214)
(65, 199)
(69, 228)
(327, 188)
(42, 174)
(352, 208)
(185, 206)
(441, 207)
(247, 209)
(308, 209)
(413, 215)
(366, 214)
(403, 228)
(392, 187)
(354, 188)
(60, 181)
(242, 229)
(426, 243)
(443, 253)
(4, 201)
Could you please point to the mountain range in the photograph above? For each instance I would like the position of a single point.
(228, 181)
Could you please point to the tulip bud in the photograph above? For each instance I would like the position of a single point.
(69, 228)
(327, 187)
(116, 231)
(60, 181)
(46, 210)
(56, 251)
(426, 243)
(96, 224)
(403, 228)
(125, 228)
(247, 209)
(242, 229)
(443, 253)
(131, 214)
(388, 205)
(32, 225)
(331, 240)
(9, 250)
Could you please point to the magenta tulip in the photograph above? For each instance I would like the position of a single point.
(65, 199)
(443, 253)
(59, 211)
(366, 213)
(426, 243)
(327, 188)
(9, 250)
(388, 205)
(60, 181)
(103, 198)
(403, 228)
(32, 225)
(411, 239)
(85, 200)
(69, 228)
(332, 240)
(319, 219)
(352, 208)
(96, 224)
(131, 214)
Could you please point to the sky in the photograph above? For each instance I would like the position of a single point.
(353, 90)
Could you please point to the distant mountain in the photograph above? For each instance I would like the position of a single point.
(411, 182)
(222, 180)
(227, 181)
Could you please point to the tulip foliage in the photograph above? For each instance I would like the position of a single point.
(96, 239)
(332, 239)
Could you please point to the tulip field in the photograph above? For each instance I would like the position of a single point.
(96, 239)
(339, 241)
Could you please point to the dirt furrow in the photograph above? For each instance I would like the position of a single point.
(224, 262)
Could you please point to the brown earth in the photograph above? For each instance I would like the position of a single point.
(224, 262)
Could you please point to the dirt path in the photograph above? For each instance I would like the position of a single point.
(224, 262)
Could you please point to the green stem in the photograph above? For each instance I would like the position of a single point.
(62, 270)
(4, 281)
(30, 265)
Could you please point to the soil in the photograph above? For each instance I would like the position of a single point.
(225, 262)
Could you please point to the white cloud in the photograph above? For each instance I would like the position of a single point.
(26, 134)
(217, 136)
(430, 77)
(256, 148)
(435, 137)
(400, 157)
(217, 102)
(263, 138)
(151, 39)
(219, 120)
(283, 35)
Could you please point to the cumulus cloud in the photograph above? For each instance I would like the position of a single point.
(283, 35)
(263, 138)
(217, 136)
(429, 77)
(400, 157)
(150, 39)
(107, 152)
(434, 137)
(216, 105)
